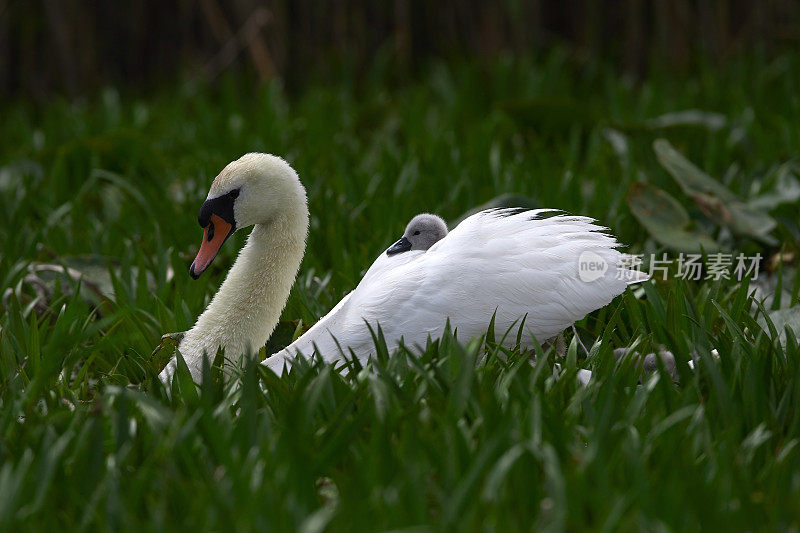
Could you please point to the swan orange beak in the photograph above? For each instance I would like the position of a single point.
(214, 235)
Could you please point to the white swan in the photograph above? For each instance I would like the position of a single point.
(257, 190)
(501, 263)
(506, 263)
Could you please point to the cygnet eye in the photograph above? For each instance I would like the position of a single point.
(416, 232)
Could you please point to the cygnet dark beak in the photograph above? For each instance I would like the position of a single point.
(403, 245)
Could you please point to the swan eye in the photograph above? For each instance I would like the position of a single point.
(416, 232)
(234, 194)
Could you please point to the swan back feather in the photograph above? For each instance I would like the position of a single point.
(505, 263)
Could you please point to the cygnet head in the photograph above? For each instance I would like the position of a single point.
(251, 190)
(422, 232)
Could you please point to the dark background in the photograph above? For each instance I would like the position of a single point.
(73, 47)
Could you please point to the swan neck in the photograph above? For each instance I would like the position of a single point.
(246, 308)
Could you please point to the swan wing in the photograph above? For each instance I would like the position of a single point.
(325, 335)
(517, 264)
(508, 264)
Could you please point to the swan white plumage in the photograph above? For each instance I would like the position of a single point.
(421, 233)
(506, 263)
(501, 263)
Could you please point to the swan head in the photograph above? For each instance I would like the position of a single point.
(251, 190)
(422, 232)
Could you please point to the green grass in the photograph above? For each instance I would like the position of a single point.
(111, 186)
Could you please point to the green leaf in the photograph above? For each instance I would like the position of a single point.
(666, 220)
(713, 198)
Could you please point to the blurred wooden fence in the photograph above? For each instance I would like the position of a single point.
(72, 46)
